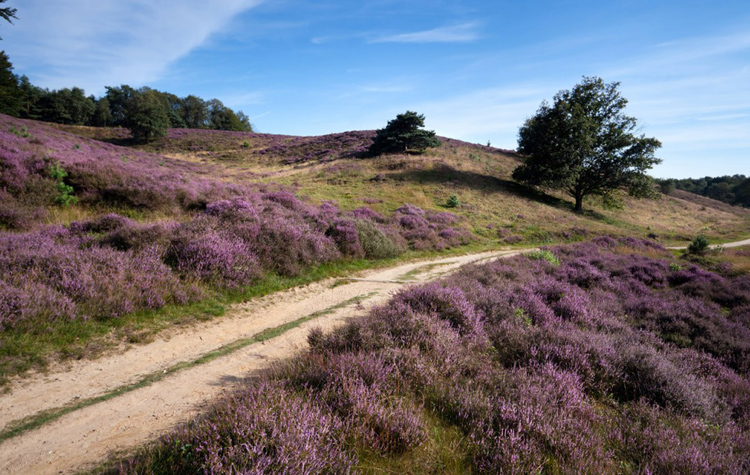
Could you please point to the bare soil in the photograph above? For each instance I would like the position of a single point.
(83, 438)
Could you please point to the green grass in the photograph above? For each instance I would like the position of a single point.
(37, 420)
(420, 270)
(444, 451)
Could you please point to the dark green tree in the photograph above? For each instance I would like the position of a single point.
(118, 97)
(195, 112)
(10, 90)
(404, 134)
(742, 193)
(67, 106)
(146, 115)
(31, 97)
(585, 145)
(102, 114)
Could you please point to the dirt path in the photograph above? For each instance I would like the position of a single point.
(746, 242)
(87, 435)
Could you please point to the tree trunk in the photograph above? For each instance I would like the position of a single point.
(579, 203)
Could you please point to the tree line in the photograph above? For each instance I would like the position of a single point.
(732, 189)
(147, 112)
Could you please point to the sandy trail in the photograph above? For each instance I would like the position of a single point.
(746, 242)
(88, 435)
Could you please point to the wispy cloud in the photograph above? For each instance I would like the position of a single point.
(464, 33)
(93, 43)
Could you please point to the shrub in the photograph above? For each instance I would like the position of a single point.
(698, 246)
(376, 244)
(65, 192)
(545, 255)
(453, 202)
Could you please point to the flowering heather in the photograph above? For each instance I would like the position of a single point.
(277, 148)
(221, 235)
(54, 274)
(609, 362)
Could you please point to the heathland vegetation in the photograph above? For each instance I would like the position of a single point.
(610, 356)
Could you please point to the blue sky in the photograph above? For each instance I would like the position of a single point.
(476, 69)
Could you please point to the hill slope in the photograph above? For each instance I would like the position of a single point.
(329, 168)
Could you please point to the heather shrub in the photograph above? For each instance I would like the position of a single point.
(287, 247)
(346, 236)
(561, 369)
(212, 256)
(102, 224)
(264, 429)
(365, 213)
(447, 303)
(23, 305)
(101, 283)
(647, 374)
(138, 236)
(513, 239)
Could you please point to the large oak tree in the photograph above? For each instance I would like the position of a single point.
(585, 145)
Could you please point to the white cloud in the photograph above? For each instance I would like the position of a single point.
(463, 33)
(93, 43)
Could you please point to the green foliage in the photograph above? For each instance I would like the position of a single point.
(734, 189)
(24, 132)
(699, 246)
(102, 116)
(523, 316)
(584, 144)
(404, 134)
(67, 106)
(375, 242)
(674, 267)
(544, 255)
(453, 202)
(6, 13)
(65, 192)
(146, 115)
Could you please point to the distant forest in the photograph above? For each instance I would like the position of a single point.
(20, 98)
(734, 189)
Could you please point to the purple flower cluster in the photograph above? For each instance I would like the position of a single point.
(611, 361)
(279, 148)
(56, 274)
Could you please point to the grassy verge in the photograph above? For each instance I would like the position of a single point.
(22, 349)
(37, 420)
(444, 451)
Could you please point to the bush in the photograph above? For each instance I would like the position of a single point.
(699, 246)
(376, 243)
(453, 202)
(544, 255)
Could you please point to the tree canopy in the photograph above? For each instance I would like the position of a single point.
(732, 189)
(584, 144)
(146, 115)
(10, 102)
(404, 134)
